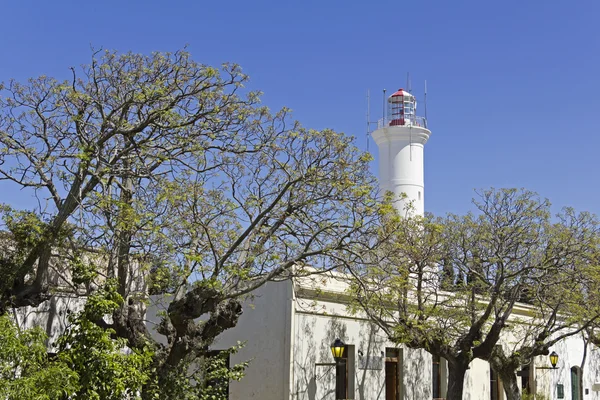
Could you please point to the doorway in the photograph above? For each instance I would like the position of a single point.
(576, 383)
(341, 376)
(392, 374)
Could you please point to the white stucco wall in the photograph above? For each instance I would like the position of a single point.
(288, 328)
(322, 316)
(570, 353)
(314, 334)
(265, 328)
(51, 315)
(318, 324)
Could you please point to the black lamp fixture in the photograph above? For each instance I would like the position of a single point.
(337, 349)
(553, 361)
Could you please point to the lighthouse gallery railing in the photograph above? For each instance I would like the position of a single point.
(408, 120)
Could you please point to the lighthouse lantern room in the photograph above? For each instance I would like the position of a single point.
(401, 138)
(401, 108)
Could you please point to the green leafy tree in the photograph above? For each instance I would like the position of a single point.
(502, 285)
(87, 362)
(106, 369)
(26, 371)
(169, 177)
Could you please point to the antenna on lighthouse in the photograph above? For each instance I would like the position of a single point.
(425, 101)
(368, 117)
(369, 122)
(383, 112)
(408, 82)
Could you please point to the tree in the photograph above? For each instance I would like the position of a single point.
(88, 364)
(160, 164)
(502, 285)
(562, 294)
(25, 369)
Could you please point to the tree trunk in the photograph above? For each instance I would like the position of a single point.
(510, 384)
(456, 381)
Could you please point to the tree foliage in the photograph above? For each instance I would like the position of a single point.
(26, 372)
(105, 368)
(502, 285)
(169, 177)
(87, 362)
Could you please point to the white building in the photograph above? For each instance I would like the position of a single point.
(291, 325)
(289, 331)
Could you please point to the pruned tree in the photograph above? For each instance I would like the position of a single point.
(561, 293)
(166, 175)
(502, 285)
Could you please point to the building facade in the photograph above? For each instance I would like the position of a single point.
(291, 325)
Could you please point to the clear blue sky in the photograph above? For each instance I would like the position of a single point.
(513, 86)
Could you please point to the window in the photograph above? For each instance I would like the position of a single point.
(560, 391)
(217, 359)
(525, 373)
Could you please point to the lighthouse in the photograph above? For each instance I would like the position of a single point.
(401, 137)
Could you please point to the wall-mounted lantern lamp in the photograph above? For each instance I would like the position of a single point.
(553, 359)
(337, 349)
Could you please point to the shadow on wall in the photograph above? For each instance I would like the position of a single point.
(417, 366)
(370, 380)
(51, 315)
(593, 368)
(315, 382)
(590, 374)
(304, 379)
(315, 376)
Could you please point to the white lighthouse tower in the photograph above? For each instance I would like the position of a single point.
(401, 137)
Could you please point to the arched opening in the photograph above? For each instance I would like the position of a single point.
(576, 384)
